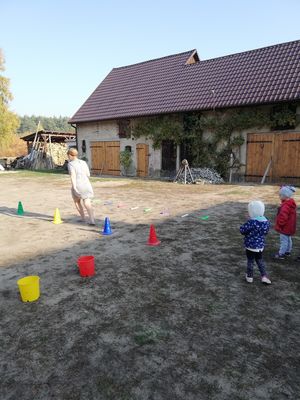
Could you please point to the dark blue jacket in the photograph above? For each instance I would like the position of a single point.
(255, 231)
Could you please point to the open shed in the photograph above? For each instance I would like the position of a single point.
(47, 149)
(50, 137)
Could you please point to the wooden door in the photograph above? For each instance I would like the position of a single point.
(259, 153)
(284, 148)
(98, 157)
(106, 158)
(112, 158)
(142, 154)
(286, 167)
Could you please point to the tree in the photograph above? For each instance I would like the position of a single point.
(29, 124)
(9, 121)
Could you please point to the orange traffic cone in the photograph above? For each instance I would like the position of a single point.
(153, 241)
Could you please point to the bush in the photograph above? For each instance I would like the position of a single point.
(14, 147)
(125, 159)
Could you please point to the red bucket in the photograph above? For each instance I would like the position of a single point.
(86, 265)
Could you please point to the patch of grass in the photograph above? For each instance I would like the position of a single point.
(112, 390)
(214, 308)
(149, 336)
(24, 173)
(55, 173)
(294, 297)
(235, 192)
(106, 179)
(209, 388)
(49, 171)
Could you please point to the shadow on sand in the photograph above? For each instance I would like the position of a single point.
(172, 322)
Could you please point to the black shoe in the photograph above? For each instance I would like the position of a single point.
(287, 254)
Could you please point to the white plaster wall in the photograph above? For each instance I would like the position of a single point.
(95, 131)
(109, 131)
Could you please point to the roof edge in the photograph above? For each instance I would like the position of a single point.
(188, 53)
(250, 51)
(267, 103)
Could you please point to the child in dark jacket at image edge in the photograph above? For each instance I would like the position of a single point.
(255, 230)
(285, 223)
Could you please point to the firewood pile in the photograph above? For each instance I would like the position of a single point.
(59, 153)
(52, 156)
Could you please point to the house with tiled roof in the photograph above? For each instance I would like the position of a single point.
(267, 78)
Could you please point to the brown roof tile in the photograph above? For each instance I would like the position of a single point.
(267, 75)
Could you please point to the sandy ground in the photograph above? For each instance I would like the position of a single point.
(176, 321)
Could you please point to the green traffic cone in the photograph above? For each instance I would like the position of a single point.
(20, 208)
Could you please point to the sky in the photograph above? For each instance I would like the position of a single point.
(58, 51)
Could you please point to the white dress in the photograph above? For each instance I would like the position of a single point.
(82, 173)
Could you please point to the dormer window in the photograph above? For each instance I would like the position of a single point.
(193, 58)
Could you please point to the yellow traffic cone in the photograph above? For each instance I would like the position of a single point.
(57, 220)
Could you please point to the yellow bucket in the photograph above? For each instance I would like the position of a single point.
(29, 288)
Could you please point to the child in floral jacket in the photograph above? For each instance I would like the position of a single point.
(255, 230)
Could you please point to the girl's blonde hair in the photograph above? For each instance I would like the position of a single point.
(72, 152)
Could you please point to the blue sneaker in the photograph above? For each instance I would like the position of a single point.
(279, 256)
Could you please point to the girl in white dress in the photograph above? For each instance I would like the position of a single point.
(82, 191)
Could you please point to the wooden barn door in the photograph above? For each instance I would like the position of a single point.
(259, 153)
(286, 167)
(105, 158)
(142, 153)
(98, 157)
(112, 158)
(284, 148)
